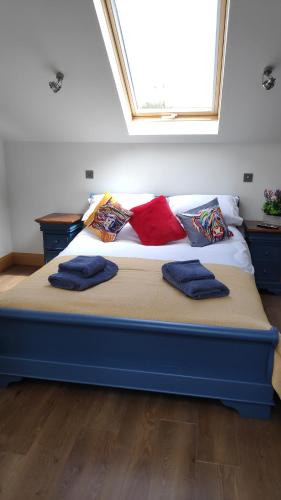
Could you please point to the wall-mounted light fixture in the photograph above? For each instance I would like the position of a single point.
(268, 80)
(57, 84)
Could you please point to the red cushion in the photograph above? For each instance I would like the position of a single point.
(155, 223)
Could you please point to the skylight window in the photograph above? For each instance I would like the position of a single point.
(168, 54)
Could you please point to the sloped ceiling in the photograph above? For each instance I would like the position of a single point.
(39, 37)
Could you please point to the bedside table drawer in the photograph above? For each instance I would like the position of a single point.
(267, 271)
(55, 241)
(265, 248)
(265, 253)
(58, 230)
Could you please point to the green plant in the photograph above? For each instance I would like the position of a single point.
(272, 204)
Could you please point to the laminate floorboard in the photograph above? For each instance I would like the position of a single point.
(68, 441)
(14, 275)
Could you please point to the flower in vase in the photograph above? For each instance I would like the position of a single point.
(272, 204)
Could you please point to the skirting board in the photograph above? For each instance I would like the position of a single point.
(6, 261)
(28, 259)
(21, 259)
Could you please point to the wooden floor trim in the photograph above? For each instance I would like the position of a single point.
(6, 261)
(21, 259)
(28, 259)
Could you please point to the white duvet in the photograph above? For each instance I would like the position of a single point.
(232, 252)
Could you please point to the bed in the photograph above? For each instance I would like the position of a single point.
(234, 252)
(221, 357)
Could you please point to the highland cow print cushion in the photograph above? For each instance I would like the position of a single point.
(205, 227)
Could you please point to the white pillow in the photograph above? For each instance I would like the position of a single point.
(228, 204)
(127, 200)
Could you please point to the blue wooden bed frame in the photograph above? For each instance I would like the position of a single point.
(233, 365)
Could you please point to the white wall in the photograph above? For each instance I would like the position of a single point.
(46, 178)
(5, 234)
(39, 37)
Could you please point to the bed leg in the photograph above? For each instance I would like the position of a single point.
(5, 380)
(249, 410)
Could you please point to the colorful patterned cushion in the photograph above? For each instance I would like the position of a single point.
(155, 223)
(108, 218)
(205, 227)
(228, 204)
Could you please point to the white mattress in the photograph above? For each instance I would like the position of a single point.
(233, 252)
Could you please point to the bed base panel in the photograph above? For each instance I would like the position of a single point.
(251, 410)
(229, 364)
(184, 386)
(6, 380)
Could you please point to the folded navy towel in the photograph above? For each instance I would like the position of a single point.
(76, 281)
(86, 265)
(187, 270)
(198, 289)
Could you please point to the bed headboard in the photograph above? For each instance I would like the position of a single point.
(236, 196)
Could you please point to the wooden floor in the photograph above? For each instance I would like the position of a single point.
(14, 275)
(70, 442)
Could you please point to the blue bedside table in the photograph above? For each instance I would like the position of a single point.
(58, 230)
(265, 248)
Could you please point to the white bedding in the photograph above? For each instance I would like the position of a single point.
(233, 252)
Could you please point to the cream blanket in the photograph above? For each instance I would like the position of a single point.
(139, 291)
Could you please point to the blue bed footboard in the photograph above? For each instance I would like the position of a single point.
(233, 365)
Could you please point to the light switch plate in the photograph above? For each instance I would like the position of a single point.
(89, 174)
(248, 177)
